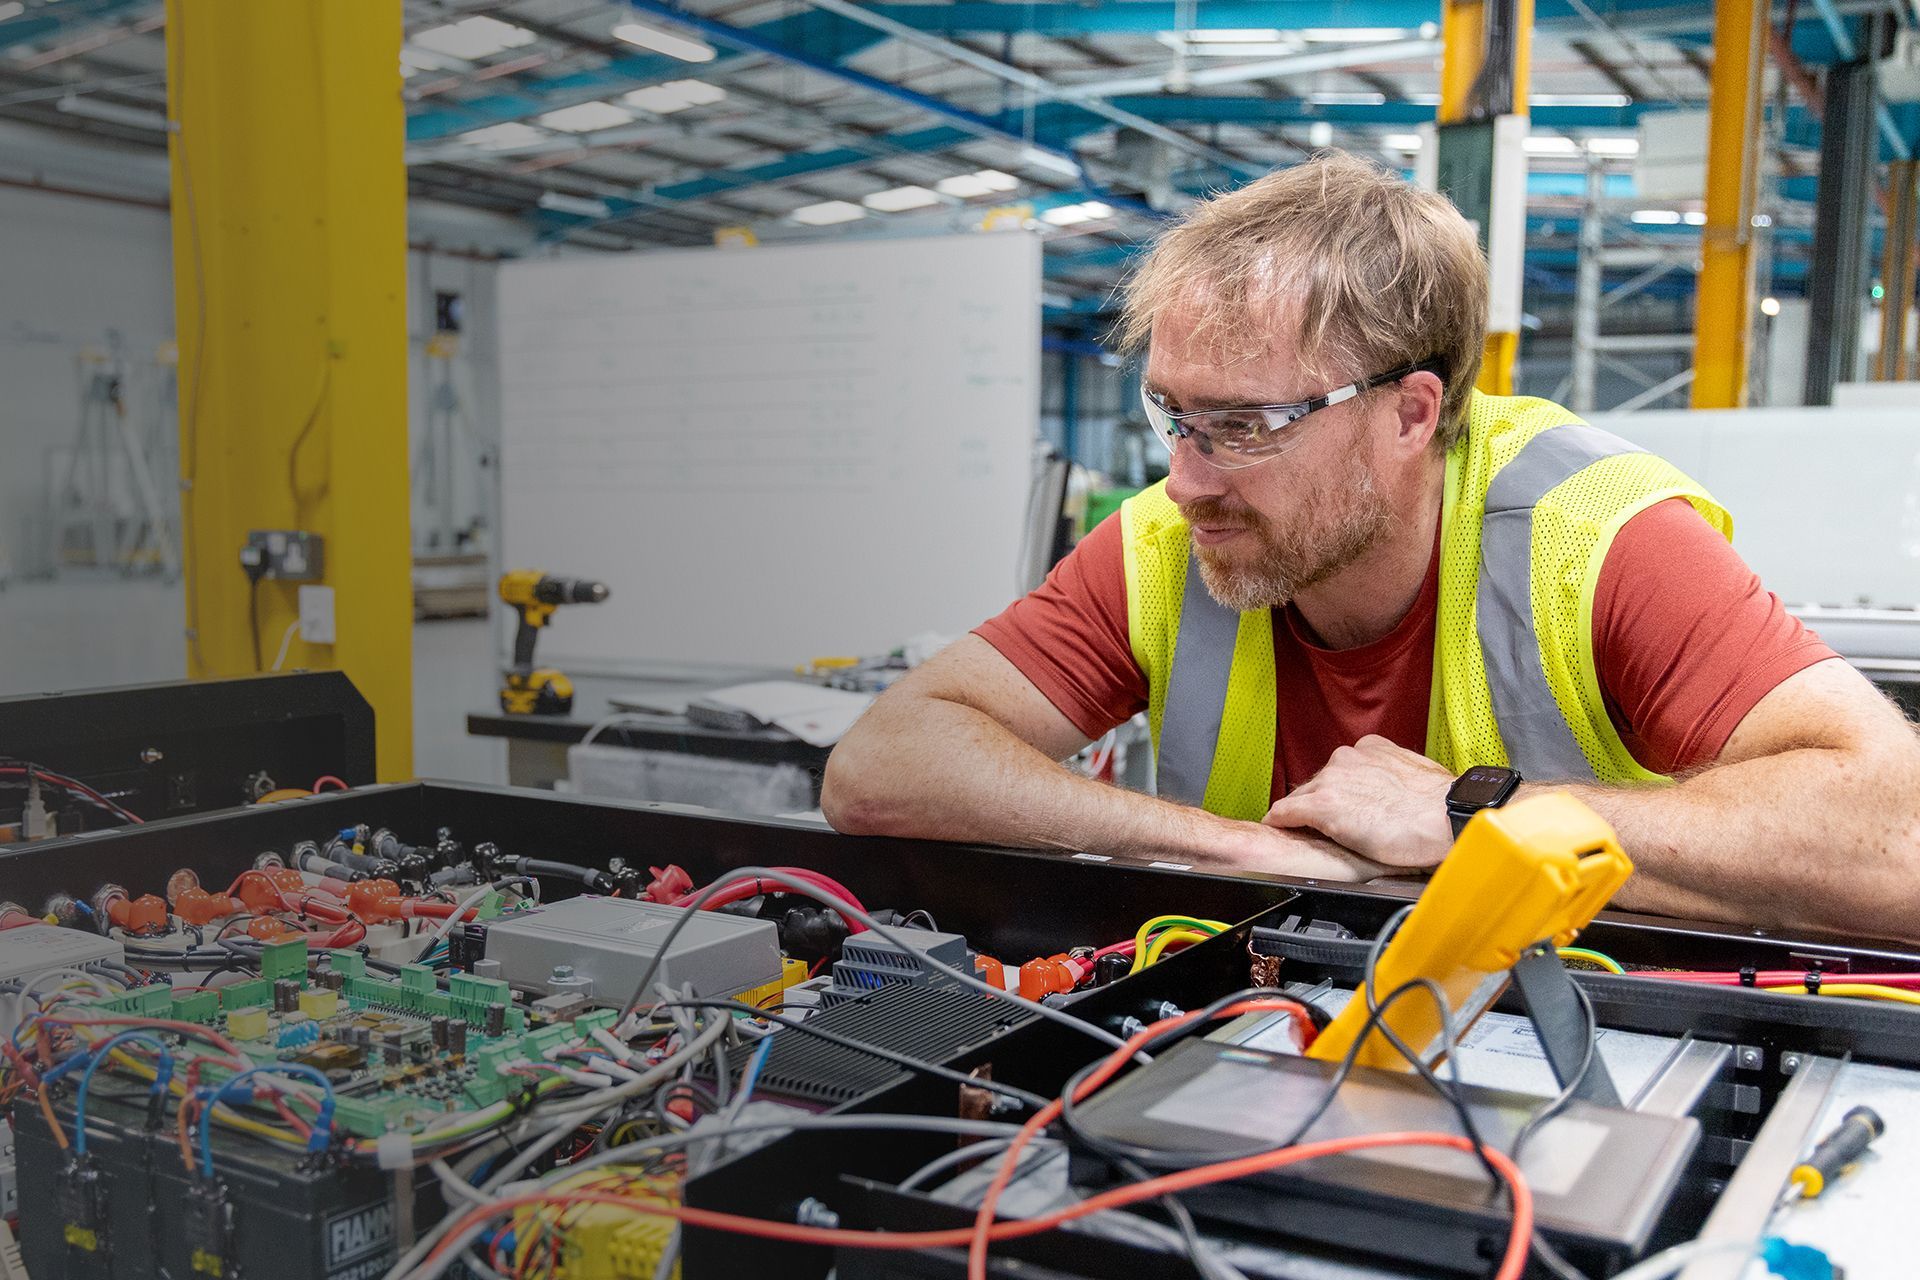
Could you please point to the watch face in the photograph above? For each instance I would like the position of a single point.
(1480, 786)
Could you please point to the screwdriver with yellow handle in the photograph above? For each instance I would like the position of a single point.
(1837, 1153)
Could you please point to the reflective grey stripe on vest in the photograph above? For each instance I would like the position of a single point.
(1539, 743)
(1196, 692)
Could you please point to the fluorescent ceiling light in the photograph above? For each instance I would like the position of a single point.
(1769, 306)
(499, 137)
(899, 199)
(1233, 35)
(111, 112)
(1614, 146)
(674, 95)
(1694, 218)
(1580, 100)
(473, 38)
(1402, 142)
(413, 58)
(1319, 134)
(1278, 49)
(827, 212)
(1656, 217)
(1346, 99)
(1068, 215)
(586, 117)
(1549, 144)
(674, 45)
(586, 207)
(966, 186)
(1354, 35)
(1041, 158)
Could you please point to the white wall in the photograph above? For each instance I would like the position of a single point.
(73, 269)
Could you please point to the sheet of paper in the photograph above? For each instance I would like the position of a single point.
(810, 712)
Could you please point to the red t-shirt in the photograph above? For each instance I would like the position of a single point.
(1685, 638)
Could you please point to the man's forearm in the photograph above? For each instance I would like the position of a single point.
(928, 767)
(1823, 837)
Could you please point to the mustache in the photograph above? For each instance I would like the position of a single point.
(1216, 514)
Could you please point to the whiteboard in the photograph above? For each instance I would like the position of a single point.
(1825, 502)
(770, 454)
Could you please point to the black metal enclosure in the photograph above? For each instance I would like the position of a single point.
(192, 746)
(1018, 904)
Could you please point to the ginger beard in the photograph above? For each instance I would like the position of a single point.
(1325, 527)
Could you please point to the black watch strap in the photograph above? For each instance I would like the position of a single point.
(1484, 786)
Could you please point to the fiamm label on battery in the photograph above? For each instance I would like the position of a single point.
(358, 1242)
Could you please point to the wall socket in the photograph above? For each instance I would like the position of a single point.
(284, 555)
(316, 615)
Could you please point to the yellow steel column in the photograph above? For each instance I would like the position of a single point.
(1463, 34)
(1896, 271)
(289, 249)
(1723, 320)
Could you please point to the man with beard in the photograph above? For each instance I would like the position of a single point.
(1369, 600)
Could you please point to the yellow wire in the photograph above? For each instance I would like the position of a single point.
(1583, 953)
(1858, 990)
(1158, 947)
(1140, 939)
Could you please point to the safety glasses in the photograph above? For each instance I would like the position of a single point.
(1250, 434)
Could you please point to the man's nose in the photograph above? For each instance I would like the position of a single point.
(1191, 477)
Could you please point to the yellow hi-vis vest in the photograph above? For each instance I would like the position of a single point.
(1533, 499)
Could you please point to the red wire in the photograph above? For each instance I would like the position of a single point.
(1120, 1197)
(71, 784)
(1783, 977)
(1117, 949)
(327, 777)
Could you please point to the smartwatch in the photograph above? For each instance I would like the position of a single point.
(1485, 786)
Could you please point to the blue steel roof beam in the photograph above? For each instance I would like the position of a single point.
(1149, 17)
(753, 39)
(1042, 88)
(1843, 42)
(822, 35)
(1665, 18)
(38, 23)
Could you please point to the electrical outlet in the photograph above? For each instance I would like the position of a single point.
(316, 615)
(284, 555)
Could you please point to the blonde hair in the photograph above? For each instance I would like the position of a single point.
(1379, 273)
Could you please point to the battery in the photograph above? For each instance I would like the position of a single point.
(268, 1212)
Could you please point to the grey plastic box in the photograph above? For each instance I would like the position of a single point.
(609, 941)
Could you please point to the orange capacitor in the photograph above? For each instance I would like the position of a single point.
(1046, 976)
(197, 907)
(261, 890)
(146, 914)
(374, 901)
(267, 928)
(991, 971)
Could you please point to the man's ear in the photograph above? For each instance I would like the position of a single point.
(1416, 407)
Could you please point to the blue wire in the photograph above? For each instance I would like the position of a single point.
(162, 1075)
(752, 1076)
(322, 1123)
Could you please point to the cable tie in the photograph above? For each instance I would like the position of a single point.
(1749, 977)
(1812, 981)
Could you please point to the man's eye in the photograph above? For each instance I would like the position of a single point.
(1236, 430)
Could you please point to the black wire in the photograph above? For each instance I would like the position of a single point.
(253, 620)
(1167, 1159)
(1032, 1100)
(1559, 1102)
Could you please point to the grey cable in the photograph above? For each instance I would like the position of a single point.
(806, 889)
(552, 1113)
(410, 1267)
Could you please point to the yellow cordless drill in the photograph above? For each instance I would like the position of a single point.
(531, 691)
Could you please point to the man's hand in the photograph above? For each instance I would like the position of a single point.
(1378, 800)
